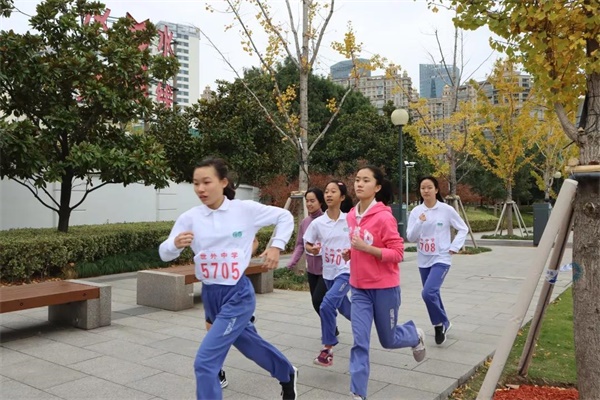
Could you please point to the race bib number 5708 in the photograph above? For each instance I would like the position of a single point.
(219, 266)
(428, 246)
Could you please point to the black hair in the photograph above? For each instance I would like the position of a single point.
(347, 202)
(386, 193)
(222, 170)
(319, 195)
(438, 195)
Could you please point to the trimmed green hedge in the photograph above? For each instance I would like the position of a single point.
(487, 225)
(31, 253)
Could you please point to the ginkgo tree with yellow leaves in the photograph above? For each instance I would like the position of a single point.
(507, 131)
(558, 43)
(444, 141)
(554, 148)
(301, 47)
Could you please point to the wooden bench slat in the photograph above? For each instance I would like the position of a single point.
(14, 298)
(188, 271)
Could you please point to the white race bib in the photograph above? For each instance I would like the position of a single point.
(219, 266)
(333, 257)
(428, 246)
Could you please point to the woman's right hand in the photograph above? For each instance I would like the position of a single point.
(346, 254)
(184, 239)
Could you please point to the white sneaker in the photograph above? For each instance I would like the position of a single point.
(419, 350)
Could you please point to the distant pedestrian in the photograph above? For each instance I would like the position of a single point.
(429, 227)
(328, 237)
(220, 232)
(315, 205)
(376, 250)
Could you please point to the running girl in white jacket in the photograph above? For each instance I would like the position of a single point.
(328, 235)
(429, 226)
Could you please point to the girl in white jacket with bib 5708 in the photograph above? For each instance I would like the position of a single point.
(429, 227)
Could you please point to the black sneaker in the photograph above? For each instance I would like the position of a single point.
(223, 379)
(337, 333)
(288, 389)
(440, 333)
(253, 319)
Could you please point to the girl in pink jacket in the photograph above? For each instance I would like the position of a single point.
(376, 249)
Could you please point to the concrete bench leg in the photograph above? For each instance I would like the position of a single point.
(263, 282)
(164, 290)
(87, 314)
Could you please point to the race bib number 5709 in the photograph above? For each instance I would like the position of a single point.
(219, 266)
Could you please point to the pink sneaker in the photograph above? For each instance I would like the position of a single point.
(325, 358)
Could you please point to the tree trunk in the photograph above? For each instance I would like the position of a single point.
(509, 210)
(64, 210)
(586, 254)
(453, 183)
(304, 72)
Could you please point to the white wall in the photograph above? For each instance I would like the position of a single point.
(109, 204)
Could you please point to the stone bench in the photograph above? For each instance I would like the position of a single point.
(83, 304)
(172, 288)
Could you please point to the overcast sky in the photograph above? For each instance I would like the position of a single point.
(400, 30)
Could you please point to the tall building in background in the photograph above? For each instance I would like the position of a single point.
(433, 78)
(382, 89)
(186, 46)
(342, 69)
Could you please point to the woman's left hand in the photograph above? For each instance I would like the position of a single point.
(271, 257)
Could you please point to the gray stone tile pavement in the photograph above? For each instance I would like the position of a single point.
(148, 353)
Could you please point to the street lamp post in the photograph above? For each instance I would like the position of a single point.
(408, 164)
(399, 118)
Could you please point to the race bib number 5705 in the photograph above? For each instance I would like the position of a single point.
(219, 266)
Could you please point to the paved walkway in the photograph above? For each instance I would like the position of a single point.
(148, 353)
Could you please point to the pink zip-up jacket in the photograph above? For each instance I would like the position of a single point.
(379, 228)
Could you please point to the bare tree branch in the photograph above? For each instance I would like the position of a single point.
(35, 194)
(331, 119)
(567, 125)
(294, 32)
(88, 192)
(243, 81)
(322, 32)
(262, 61)
(273, 29)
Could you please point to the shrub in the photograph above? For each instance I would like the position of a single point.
(29, 253)
(90, 250)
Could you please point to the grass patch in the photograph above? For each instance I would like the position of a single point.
(468, 250)
(287, 279)
(553, 362)
(130, 262)
(510, 237)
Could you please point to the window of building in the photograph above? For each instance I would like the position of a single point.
(183, 58)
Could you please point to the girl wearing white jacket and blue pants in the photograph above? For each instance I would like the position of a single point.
(220, 232)
(429, 227)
